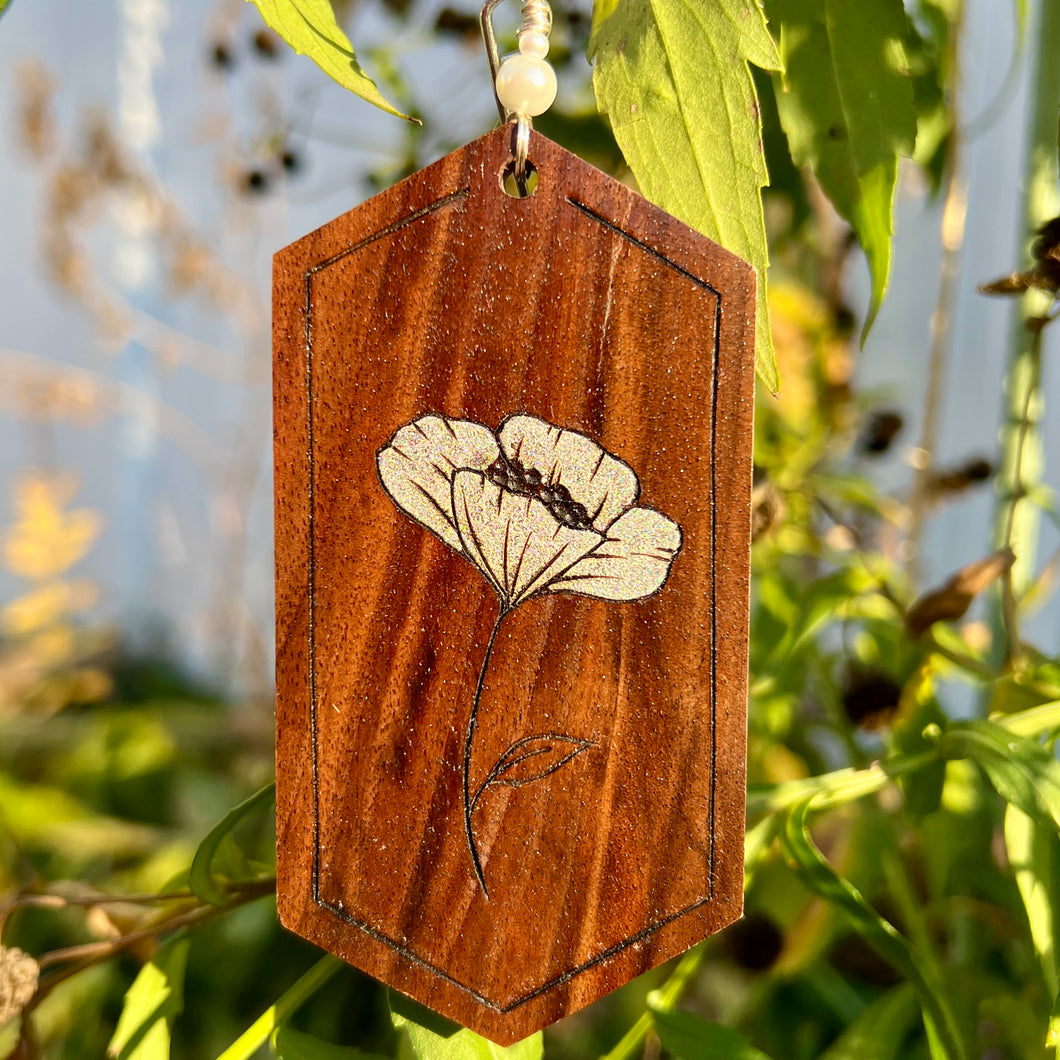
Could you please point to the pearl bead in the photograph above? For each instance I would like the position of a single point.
(526, 85)
(533, 44)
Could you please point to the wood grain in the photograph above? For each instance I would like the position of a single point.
(588, 308)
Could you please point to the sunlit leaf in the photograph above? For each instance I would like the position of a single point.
(309, 27)
(151, 1004)
(202, 878)
(673, 78)
(274, 1017)
(1022, 771)
(1034, 856)
(847, 107)
(688, 1037)
(4, 5)
(427, 1036)
(817, 875)
(289, 1044)
(880, 1031)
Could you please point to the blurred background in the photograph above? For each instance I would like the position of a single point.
(153, 156)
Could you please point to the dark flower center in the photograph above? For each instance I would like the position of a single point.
(510, 475)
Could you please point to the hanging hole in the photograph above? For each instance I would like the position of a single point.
(511, 185)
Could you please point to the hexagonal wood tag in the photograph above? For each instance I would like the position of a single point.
(513, 465)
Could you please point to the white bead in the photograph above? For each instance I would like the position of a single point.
(533, 44)
(526, 85)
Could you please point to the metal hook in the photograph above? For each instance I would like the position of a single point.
(492, 54)
(536, 18)
(521, 154)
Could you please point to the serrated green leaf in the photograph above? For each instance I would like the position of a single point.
(1022, 771)
(289, 1044)
(309, 27)
(687, 1037)
(202, 878)
(880, 1031)
(672, 76)
(153, 1001)
(818, 876)
(427, 1036)
(846, 104)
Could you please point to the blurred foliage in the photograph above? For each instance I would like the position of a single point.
(903, 860)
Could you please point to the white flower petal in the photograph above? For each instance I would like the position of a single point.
(633, 561)
(595, 478)
(417, 467)
(514, 540)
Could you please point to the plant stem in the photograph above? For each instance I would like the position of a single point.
(664, 999)
(468, 741)
(1021, 443)
(954, 214)
(92, 953)
(248, 1043)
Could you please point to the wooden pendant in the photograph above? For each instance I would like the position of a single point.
(513, 471)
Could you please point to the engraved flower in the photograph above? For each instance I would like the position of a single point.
(536, 509)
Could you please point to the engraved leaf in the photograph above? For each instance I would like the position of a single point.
(532, 758)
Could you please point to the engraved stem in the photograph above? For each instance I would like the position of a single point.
(468, 740)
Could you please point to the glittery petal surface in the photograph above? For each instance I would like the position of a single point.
(514, 540)
(417, 465)
(633, 561)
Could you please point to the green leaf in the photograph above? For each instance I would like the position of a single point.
(153, 1001)
(202, 878)
(672, 76)
(427, 1036)
(309, 27)
(846, 105)
(4, 5)
(880, 1031)
(248, 1043)
(1032, 855)
(1022, 771)
(818, 876)
(289, 1044)
(687, 1037)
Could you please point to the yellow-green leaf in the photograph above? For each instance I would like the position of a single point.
(846, 105)
(817, 875)
(673, 78)
(309, 27)
(155, 998)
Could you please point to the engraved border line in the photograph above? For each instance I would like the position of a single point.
(337, 910)
(382, 233)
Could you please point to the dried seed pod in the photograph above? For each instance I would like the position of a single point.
(266, 44)
(958, 479)
(871, 699)
(754, 942)
(883, 426)
(950, 601)
(19, 975)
